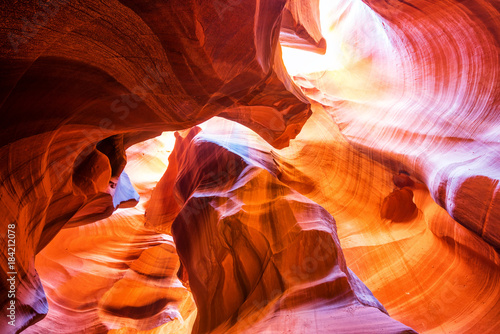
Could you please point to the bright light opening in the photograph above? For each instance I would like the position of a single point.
(354, 34)
(302, 61)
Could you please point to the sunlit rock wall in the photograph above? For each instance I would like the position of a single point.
(83, 80)
(427, 270)
(415, 86)
(116, 274)
(257, 255)
(403, 152)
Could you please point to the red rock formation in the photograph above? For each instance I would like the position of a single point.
(427, 271)
(399, 206)
(258, 256)
(117, 273)
(421, 270)
(405, 86)
(415, 88)
(82, 81)
(300, 27)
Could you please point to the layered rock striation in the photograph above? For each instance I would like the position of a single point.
(82, 81)
(257, 255)
(415, 87)
(402, 149)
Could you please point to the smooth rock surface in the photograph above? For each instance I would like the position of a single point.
(402, 150)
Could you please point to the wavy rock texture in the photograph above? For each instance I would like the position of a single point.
(116, 274)
(428, 271)
(402, 150)
(83, 80)
(256, 253)
(421, 270)
(415, 87)
(300, 27)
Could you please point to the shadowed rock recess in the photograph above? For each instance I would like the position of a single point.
(249, 166)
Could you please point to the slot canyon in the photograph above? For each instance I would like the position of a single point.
(250, 166)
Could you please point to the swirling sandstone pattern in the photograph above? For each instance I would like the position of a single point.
(254, 251)
(417, 89)
(402, 149)
(428, 271)
(421, 270)
(90, 78)
(116, 273)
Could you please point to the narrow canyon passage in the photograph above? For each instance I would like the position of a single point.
(246, 166)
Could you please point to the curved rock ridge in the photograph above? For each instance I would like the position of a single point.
(127, 66)
(416, 88)
(257, 255)
(116, 275)
(300, 27)
(109, 275)
(402, 151)
(81, 81)
(46, 185)
(428, 271)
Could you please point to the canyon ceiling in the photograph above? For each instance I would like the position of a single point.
(250, 166)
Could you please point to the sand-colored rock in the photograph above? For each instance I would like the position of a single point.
(415, 87)
(402, 150)
(258, 256)
(82, 81)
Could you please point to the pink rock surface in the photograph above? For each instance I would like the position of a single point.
(402, 150)
(415, 88)
(258, 256)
